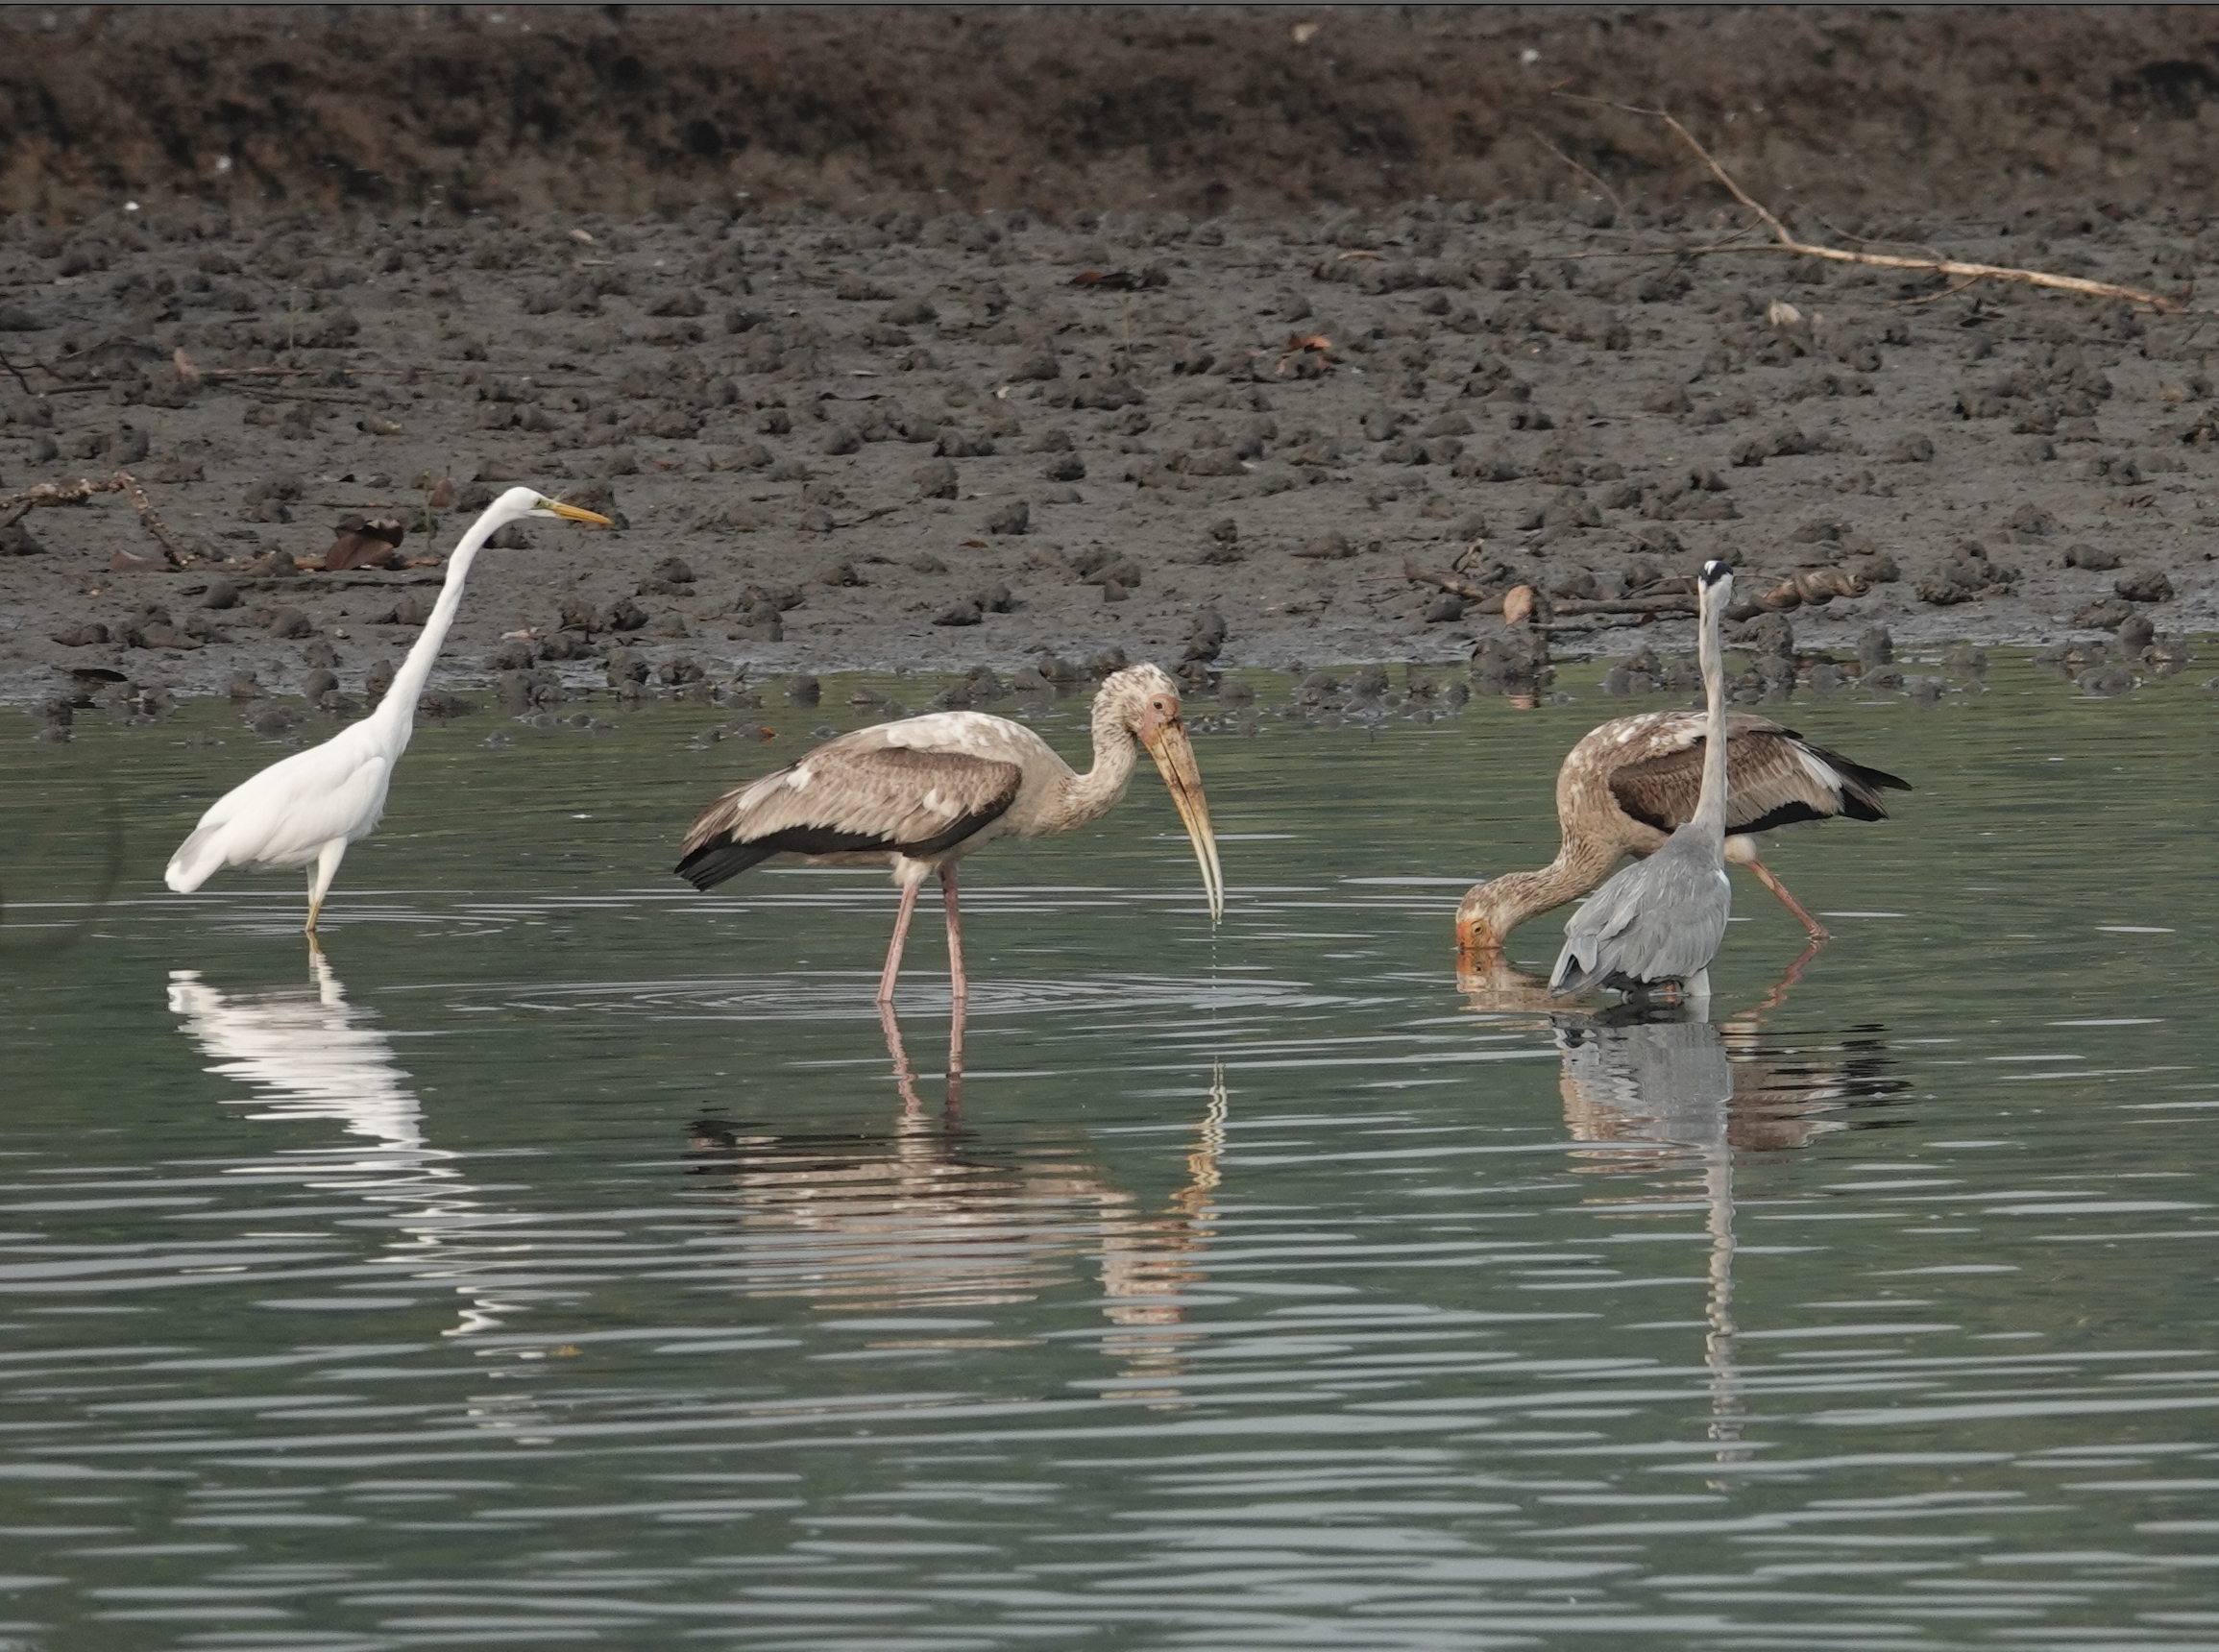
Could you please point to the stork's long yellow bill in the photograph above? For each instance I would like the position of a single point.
(1173, 756)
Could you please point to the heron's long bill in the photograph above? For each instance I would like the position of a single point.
(1175, 757)
(579, 513)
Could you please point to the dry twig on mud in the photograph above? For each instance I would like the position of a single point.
(1594, 178)
(1785, 240)
(1448, 582)
(1668, 604)
(84, 488)
(1513, 600)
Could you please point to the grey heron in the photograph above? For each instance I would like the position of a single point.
(1654, 928)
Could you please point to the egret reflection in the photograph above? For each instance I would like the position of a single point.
(305, 1055)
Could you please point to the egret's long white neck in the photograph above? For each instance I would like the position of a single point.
(399, 707)
(1711, 803)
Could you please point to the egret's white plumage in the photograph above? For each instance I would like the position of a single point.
(921, 793)
(304, 811)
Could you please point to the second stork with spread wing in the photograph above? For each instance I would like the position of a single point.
(1630, 783)
(921, 793)
(1658, 923)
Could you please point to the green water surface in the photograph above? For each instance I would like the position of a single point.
(558, 1260)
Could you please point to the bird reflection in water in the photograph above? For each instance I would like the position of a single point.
(922, 1212)
(1652, 1089)
(304, 1054)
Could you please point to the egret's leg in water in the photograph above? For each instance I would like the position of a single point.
(1810, 925)
(886, 977)
(326, 868)
(960, 983)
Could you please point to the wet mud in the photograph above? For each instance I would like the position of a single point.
(1090, 421)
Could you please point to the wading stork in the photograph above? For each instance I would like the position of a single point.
(1628, 785)
(921, 793)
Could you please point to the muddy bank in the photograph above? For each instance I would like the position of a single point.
(1202, 110)
(839, 443)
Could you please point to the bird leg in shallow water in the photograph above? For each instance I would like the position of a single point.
(905, 1076)
(320, 876)
(892, 969)
(1812, 927)
(904, 1080)
(958, 983)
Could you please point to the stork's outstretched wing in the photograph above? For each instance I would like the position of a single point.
(1777, 778)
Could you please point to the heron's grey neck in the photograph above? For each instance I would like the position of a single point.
(1093, 795)
(1710, 816)
(399, 707)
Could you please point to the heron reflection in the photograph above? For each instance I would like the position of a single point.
(1650, 1089)
(303, 1054)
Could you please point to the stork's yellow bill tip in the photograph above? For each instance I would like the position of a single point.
(576, 512)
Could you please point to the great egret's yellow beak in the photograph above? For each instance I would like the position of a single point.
(1168, 743)
(575, 513)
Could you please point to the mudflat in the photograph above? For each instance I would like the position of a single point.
(869, 434)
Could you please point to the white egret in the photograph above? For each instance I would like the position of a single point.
(308, 809)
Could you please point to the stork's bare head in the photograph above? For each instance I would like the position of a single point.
(1145, 699)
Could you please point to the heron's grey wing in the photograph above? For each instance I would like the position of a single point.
(1774, 778)
(1659, 919)
(1591, 932)
(850, 796)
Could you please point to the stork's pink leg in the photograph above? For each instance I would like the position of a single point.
(904, 1080)
(886, 977)
(1810, 925)
(955, 1057)
(959, 985)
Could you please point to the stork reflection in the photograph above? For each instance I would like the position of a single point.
(305, 1054)
(1650, 1090)
(919, 1211)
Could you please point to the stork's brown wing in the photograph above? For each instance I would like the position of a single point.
(1774, 778)
(850, 796)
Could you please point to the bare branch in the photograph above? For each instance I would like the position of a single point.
(1785, 239)
(1596, 179)
(171, 549)
(84, 488)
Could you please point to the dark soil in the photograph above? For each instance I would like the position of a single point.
(1177, 421)
(631, 110)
